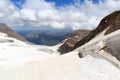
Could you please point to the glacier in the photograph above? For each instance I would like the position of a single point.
(22, 61)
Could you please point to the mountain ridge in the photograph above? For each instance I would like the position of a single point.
(72, 39)
(111, 20)
(10, 33)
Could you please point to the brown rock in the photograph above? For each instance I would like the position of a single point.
(5, 29)
(71, 40)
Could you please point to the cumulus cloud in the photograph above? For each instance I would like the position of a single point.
(6, 8)
(40, 14)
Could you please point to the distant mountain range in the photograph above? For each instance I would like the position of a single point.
(44, 37)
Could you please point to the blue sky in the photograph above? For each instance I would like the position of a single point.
(18, 3)
(73, 14)
(58, 3)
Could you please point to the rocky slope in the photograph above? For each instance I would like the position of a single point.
(72, 39)
(112, 22)
(5, 29)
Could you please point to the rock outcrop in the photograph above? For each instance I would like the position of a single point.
(112, 22)
(5, 29)
(71, 40)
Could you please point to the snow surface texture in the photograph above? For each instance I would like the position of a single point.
(20, 61)
(96, 46)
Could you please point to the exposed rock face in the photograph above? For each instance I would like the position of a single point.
(71, 40)
(112, 21)
(5, 29)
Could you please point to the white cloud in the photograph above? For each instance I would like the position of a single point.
(39, 13)
(6, 8)
(27, 15)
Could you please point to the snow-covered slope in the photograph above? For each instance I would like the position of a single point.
(21, 61)
(99, 50)
(67, 67)
(14, 52)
